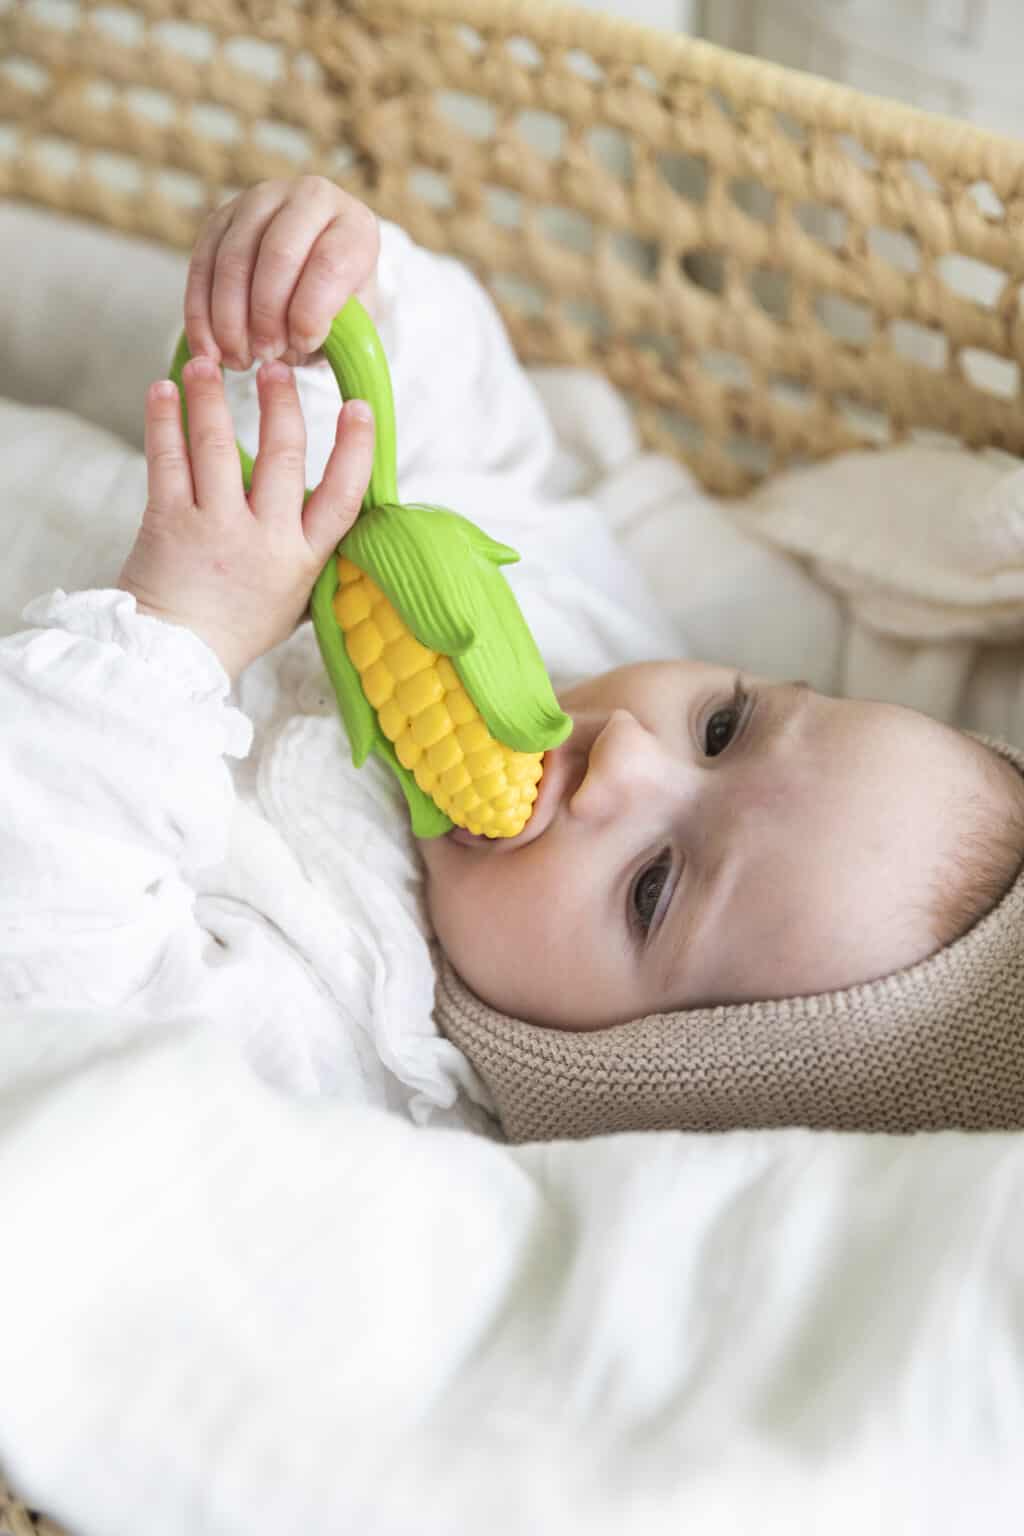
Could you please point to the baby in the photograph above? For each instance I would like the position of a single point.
(702, 838)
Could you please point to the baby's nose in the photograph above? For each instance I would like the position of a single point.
(627, 770)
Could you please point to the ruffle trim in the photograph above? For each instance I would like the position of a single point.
(176, 654)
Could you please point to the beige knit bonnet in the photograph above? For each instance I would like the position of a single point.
(937, 1046)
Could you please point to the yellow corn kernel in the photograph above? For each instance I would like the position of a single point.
(490, 759)
(447, 673)
(406, 657)
(431, 724)
(392, 719)
(407, 750)
(425, 775)
(387, 620)
(456, 777)
(422, 708)
(490, 786)
(364, 644)
(378, 683)
(420, 691)
(523, 767)
(445, 754)
(351, 605)
(461, 706)
(473, 737)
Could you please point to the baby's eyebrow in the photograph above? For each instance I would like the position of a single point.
(774, 709)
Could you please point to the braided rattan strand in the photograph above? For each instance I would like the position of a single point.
(16, 1520)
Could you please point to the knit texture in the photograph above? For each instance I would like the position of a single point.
(937, 1046)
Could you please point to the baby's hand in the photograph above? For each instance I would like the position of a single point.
(272, 268)
(238, 571)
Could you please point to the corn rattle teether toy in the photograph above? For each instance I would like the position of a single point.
(432, 663)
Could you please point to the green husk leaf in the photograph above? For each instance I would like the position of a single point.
(442, 573)
(428, 820)
(358, 714)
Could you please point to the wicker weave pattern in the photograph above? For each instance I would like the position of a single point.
(16, 1520)
(770, 266)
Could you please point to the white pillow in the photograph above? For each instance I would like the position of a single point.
(88, 316)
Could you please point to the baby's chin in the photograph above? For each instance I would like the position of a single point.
(450, 860)
(446, 867)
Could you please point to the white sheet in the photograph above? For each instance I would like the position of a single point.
(240, 1297)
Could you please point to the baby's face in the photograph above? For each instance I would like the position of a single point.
(700, 840)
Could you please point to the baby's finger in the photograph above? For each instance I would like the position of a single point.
(199, 283)
(368, 295)
(284, 250)
(341, 261)
(168, 472)
(233, 271)
(334, 505)
(216, 470)
(279, 474)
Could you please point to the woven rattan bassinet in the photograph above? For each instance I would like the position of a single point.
(771, 267)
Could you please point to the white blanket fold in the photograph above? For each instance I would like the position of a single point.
(324, 1319)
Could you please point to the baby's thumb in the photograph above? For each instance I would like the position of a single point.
(334, 505)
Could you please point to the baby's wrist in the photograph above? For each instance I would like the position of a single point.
(226, 650)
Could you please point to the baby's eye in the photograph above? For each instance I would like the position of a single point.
(720, 729)
(725, 722)
(648, 888)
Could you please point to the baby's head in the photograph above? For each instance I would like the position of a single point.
(703, 839)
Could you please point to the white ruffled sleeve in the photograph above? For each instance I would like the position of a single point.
(114, 789)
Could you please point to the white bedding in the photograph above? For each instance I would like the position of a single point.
(245, 1291)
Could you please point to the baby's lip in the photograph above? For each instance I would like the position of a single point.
(563, 772)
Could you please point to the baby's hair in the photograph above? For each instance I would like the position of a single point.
(987, 856)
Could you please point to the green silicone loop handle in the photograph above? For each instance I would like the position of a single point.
(354, 352)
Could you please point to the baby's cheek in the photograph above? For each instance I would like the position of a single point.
(491, 921)
(443, 892)
(461, 901)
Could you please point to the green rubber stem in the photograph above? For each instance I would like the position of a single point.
(354, 352)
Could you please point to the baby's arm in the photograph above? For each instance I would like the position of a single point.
(115, 708)
(114, 789)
